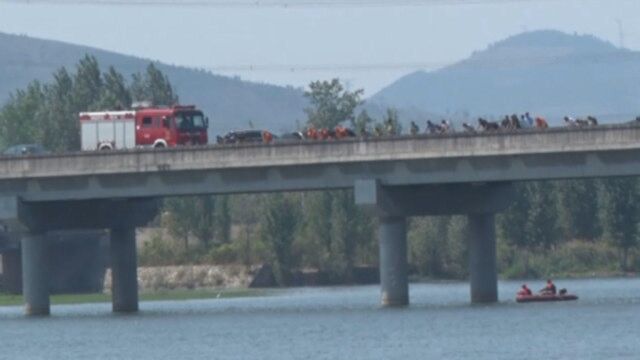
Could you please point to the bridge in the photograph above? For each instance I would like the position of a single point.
(395, 177)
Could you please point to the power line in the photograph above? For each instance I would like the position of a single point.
(276, 3)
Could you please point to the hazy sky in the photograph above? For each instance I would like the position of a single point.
(367, 44)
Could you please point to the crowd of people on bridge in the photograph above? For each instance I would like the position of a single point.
(509, 123)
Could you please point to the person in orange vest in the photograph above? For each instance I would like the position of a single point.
(312, 133)
(337, 131)
(541, 123)
(267, 137)
(550, 289)
(525, 291)
(324, 134)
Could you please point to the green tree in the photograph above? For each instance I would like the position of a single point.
(153, 86)
(391, 122)
(541, 225)
(316, 232)
(330, 103)
(222, 219)
(578, 209)
(511, 225)
(87, 84)
(21, 116)
(428, 245)
(362, 123)
(350, 227)
(177, 219)
(62, 131)
(115, 94)
(618, 200)
(277, 228)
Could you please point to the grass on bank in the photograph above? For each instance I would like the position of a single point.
(159, 295)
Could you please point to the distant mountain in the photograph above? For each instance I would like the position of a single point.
(229, 102)
(544, 72)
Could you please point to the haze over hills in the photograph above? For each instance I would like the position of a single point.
(229, 102)
(545, 72)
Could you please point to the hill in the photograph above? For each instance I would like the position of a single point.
(230, 102)
(544, 72)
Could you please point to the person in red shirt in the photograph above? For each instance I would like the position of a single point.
(312, 133)
(524, 291)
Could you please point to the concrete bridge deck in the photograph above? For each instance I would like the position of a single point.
(394, 161)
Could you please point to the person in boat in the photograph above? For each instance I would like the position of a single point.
(550, 289)
(525, 291)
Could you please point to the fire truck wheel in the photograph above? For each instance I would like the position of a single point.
(159, 145)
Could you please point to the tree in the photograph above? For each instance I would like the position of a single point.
(391, 123)
(618, 200)
(115, 94)
(578, 209)
(178, 215)
(222, 219)
(277, 228)
(428, 245)
(87, 84)
(153, 86)
(21, 116)
(62, 131)
(316, 232)
(362, 123)
(541, 225)
(511, 225)
(330, 103)
(350, 227)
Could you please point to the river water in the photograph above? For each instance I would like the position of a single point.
(342, 323)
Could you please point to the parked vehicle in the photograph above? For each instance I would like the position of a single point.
(246, 136)
(292, 136)
(25, 149)
(157, 127)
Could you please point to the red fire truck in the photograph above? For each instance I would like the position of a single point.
(157, 127)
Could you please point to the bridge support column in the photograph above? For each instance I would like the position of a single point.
(35, 284)
(124, 269)
(393, 261)
(12, 271)
(482, 258)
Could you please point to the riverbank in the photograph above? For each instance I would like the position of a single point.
(160, 295)
(159, 278)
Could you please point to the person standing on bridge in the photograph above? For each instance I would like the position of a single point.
(414, 128)
(529, 119)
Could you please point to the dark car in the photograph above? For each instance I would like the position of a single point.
(292, 136)
(246, 136)
(25, 149)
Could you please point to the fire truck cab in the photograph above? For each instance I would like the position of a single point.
(157, 127)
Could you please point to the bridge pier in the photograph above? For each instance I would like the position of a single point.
(12, 271)
(35, 284)
(393, 204)
(124, 269)
(483, 273)
(393, 261)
